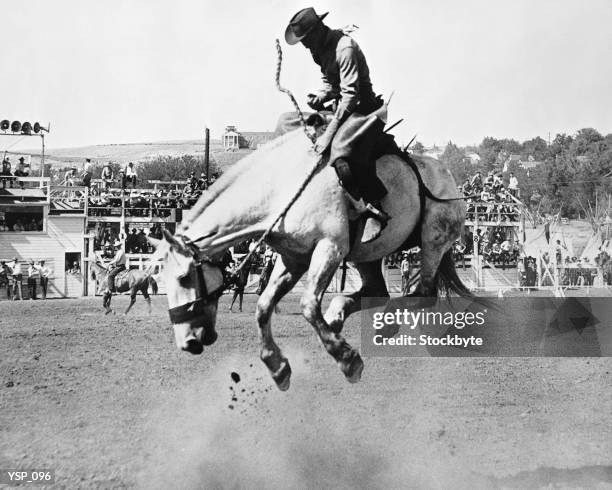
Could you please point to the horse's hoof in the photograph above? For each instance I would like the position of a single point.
(352, 367)
(209, 337)
(194, 347)
(282, 377)
(108, 311)
(336, 326)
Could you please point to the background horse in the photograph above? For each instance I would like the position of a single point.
(313, 238)
(132, 280)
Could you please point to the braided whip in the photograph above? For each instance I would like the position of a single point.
(308, 178)
(279, 62)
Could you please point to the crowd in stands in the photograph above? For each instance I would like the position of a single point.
(141, 202)
(489, 200)
(21, 225)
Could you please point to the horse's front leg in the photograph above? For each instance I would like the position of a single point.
(283, 278)
(106, 302)
(325, 259)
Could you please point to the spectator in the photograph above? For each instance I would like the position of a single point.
(69, 177)
(33, 275)
(406, 271)
(75, 269)
(122, 179)
(130, 174)
(476, 182)
(21, 171)
(202, 183)
(141, 241)
(45, 273)
(513, 188)
(6, 172)
(107, 176)
(17, 275)
(18, 226)
(192, 181)
(86, 175)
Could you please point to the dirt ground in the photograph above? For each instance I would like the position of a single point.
(109, 402)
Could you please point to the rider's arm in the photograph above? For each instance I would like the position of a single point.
(349, 82)
(327, 92)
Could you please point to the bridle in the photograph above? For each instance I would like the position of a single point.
(194, 310)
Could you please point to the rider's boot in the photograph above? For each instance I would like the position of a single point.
(375, 223)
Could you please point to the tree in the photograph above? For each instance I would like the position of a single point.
(536, 147)
(417, 148)
(452, 155)
(585, 141)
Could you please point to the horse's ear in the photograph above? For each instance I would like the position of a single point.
(177, 244)
(154, 241)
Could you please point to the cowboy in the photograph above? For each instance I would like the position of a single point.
(45, 272)
(107, 175)
(347, 86)
(33, 275)
(15, 267)
(116, 265)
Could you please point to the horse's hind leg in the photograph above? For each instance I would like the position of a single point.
(441, 227)
(282, 280)
(145, 293)
(372, 285)
(324, 261)
(132, 300)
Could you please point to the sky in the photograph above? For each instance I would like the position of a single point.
(149, 70)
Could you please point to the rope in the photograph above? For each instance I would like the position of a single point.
(300, 114)
(313, 170)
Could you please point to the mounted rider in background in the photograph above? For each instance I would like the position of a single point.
(116, 265)
(350, 136)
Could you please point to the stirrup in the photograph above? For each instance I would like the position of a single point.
(372, 229)
(375, 224)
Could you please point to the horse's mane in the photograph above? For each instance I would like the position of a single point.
(229, 177)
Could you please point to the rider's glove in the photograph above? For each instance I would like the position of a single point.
(324, 141)
(315, 102)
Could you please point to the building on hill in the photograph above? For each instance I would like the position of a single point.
(234, 140)
(474, 158)
(530, 162)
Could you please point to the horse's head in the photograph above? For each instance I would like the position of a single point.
(193, 286)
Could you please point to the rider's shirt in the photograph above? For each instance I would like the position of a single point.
(120, 258)
(346, 76)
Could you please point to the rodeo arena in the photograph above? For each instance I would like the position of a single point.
(55, 228)
(329, 304)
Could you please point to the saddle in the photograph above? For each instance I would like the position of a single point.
(121, 281)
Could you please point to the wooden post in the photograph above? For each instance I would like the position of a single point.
(207, 155)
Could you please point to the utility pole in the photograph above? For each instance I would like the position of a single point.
(207, 155)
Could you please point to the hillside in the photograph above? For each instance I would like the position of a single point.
(134, 152)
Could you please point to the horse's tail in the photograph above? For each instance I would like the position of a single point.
(153, 284)
(448, 280)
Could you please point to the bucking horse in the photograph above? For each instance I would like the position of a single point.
(132, 280)
(318, 232)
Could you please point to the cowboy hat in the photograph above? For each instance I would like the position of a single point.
(301, 24)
